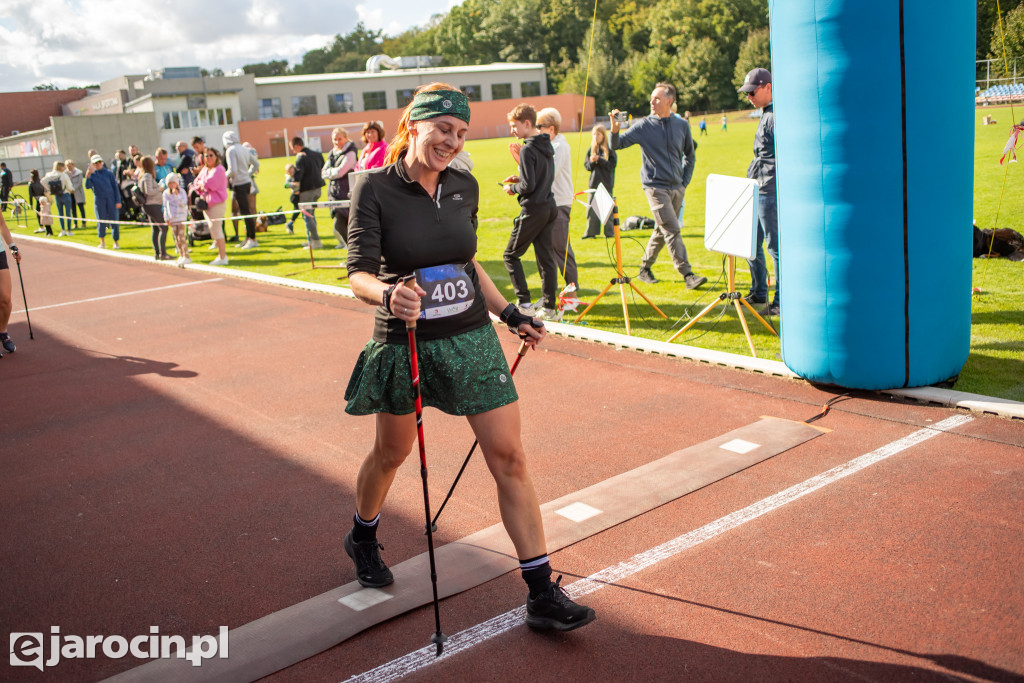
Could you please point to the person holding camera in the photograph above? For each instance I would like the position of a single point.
(667, 149)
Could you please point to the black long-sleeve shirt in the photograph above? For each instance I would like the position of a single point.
(395, 227)
(536, 172)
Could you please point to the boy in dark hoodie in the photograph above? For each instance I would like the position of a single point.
(538, 212)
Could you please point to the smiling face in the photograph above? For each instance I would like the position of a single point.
(210, 159)
(433, 143)
(371, 136)
(339, 138)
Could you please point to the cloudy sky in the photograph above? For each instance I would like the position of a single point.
(81, 42)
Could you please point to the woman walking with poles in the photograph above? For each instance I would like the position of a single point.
(418, 217)
(6, 287)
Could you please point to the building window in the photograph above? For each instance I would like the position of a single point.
(377, 99)
(472, 92)
(530, 88)
(175, 120)
(501, 91)
(304, 105)
(229, 116)
(193, 116)
(404, 97)
(269, 108)
(167, 120)
(340, 103)
(202, 117)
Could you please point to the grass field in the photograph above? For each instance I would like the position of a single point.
(996, 363)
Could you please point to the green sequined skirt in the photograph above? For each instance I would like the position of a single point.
(461, 375)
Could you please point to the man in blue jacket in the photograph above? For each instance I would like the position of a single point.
(758, 88)
(667, 151)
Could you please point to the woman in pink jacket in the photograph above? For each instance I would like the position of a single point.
(212, 187)
(375, 149)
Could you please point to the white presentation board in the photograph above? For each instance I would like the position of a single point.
(730, 215)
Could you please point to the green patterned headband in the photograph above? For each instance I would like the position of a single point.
(433, 103)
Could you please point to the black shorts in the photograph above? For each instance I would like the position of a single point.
(3, 260)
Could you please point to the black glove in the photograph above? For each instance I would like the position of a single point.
(13, 248)
(513, 318)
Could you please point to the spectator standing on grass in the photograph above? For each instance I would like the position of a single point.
(106, 199)
(601, 162)
(6, 286)
(375, 146)
(153, 206)
(667, 150)
(340, 163)
(35, 191)
(703, 125)
(76, 177)
(550, 121)
(162, 167)
(725, 122)
(175, 209)
(537, 213)
(60, 190)
(293, 197)
(211, 185)
(6, 185)
(308, 165)
(758, 88)
(240, 180)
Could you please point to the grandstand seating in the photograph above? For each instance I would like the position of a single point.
(1001, 93)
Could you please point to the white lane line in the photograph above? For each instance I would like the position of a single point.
(115, 296)
(474, 635)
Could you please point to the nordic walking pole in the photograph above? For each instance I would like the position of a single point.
(23, 299)
(433, 525)
(438, 638)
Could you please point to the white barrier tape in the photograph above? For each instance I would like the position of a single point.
(147, 223)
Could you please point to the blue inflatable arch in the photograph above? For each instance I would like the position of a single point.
(874, 140)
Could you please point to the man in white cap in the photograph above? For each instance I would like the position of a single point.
(758, 88)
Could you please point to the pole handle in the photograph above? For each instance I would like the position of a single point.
(410, 282)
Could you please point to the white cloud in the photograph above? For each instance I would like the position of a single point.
(78, 42)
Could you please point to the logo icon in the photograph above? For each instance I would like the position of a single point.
(447, 104)
(27, 649)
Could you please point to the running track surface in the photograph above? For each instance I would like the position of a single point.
(179, 457)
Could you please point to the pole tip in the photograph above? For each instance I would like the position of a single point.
(439, 640)
(432, 530)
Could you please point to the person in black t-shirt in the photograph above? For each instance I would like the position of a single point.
(417, 216)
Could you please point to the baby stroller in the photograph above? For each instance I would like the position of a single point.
(130, 210)
(198, 229)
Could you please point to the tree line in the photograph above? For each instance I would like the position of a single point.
(703, 47)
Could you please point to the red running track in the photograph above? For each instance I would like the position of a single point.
(179, 457)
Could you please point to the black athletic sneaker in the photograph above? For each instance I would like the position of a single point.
(370, 569)
(8, 345)
(693, 281)
(554, 609)
(645, 275)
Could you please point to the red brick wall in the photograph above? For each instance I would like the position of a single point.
(489, 120)
(25, 111)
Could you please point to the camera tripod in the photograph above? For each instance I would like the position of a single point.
(736, 298)
(622, 280)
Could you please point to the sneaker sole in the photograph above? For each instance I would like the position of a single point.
(352, 556)
(547, 624)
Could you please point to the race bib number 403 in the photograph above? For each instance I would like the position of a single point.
(449, 291)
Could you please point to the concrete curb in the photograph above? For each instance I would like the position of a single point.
(945, 397)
